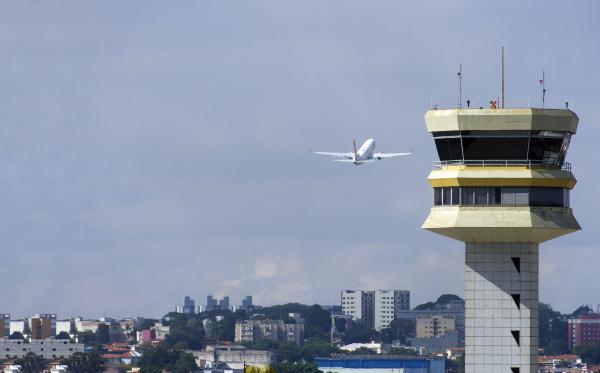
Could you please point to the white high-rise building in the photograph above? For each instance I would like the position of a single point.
(376, 308)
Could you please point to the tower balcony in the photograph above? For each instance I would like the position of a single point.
(506, 163)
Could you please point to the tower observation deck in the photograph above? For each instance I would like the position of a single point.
(502, 186)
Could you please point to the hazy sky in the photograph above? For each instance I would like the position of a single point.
(150, 150)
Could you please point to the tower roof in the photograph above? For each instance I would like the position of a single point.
(527, 119)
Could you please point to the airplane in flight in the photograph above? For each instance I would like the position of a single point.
(364, 154)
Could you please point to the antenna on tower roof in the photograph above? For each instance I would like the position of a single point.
(502, 80)
(459, 85)
(543, 87)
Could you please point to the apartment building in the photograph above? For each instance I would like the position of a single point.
(48, 348)
(252, 331)
(42, 326)
(376, 308)
(434, 326)
(4, 325)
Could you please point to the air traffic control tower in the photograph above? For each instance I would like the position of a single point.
(502, 187)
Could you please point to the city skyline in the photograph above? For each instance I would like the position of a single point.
(150, 151)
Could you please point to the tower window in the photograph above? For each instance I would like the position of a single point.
(505, 196)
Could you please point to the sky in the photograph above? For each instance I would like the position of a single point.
(155, 149)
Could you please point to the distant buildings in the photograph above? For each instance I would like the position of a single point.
(566, 363)
(17, 326)
(254, 330)
(213, 303)
(42, 326)
(455, 308)
(224, 303)
(435, 333)
(584, 329)
(189, 306)
(157, 332)
(376, 308)
(233, 356)
(434, 326)
(4, 325)
(48, 348)
(82, 325)
(247, 303)
(64, 326)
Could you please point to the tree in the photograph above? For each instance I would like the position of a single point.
(103, 333)
(590, 353)
(157, 358)
(186, 331)
(63, 335)
(552, 330)
(317, 320)
(582, 310)
(297, 368)
(31, 363)
(317, 347)
(185, 363)
(399, 330)
(16, 335)
(457, 365)
(85, 362)
(447, 298)
(360, 333)
(402, 351)
(442, 300)
(289, 352)
(425, 306)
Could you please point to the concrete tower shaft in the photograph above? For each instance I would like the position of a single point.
(502, 186)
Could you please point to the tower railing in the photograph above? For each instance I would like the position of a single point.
(564, 166)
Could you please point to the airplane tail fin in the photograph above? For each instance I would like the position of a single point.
(355, 152)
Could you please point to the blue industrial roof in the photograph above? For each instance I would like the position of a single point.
(433, 365)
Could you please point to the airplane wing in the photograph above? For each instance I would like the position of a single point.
(388, 155)
(339, 155)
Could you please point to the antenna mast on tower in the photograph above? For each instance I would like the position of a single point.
(543, 86)
(459, 85)
(502, 81)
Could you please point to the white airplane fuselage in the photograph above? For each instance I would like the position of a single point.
(365, 152)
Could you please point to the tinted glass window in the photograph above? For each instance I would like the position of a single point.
(506, 196)
(547, 197)
(547, 149)
(521, 196)
(481, 196)
(446, 199)
(437, 196)
(489, 148)
(449, 148)
(495, 195)
(545, 146)
(456, 196)
(467, 195)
